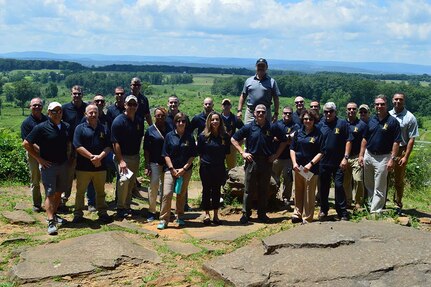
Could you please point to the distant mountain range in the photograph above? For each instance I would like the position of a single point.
(225, 62)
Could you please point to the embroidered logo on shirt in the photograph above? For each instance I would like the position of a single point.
(102, 135)
(385, 127)
(355, 130)
(138, 127)
(312, 140)
(268, 133)
(186, 143)
(288, 130)
(337, 131)
(223, 142)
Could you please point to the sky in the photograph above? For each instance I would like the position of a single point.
(332, 30)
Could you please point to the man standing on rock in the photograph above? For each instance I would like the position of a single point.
(53, 138)
(258, 160)
(409, 131)
(259, 89)
(379, 149)
(36, 117)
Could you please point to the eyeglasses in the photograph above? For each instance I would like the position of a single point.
(379, 104)
(99, 101)
(328, 112)
(119, 94)
(287, 113)
(181, 121)
(351, 109)
(260, 112)
(132, 104)
(55, 112)
(77, 94)
(136, 85)
(36, 106)
(314, 107)
(299, 102)
(307, 119)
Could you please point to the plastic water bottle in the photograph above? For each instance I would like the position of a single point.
(178, 184)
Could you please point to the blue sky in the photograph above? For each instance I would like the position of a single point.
(338, 30)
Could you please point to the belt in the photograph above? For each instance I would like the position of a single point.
(378, 152)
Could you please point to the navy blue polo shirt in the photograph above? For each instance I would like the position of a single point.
(170, 121)
(112, 112)
(287, 129)
(93, 140)
(179, 149)
(381, 135)
(335, 135)
(213, 150)
(153, 143)
(357, 129)
(259, 140)
(29, 123)
(51, 140)
(73, 115)
(306, 146)
(128, 134)
(296, 118)
(102, 120)
(198, 122)
(231, 123)
(143, 106)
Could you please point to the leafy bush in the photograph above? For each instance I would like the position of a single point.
(419, 168)
(13, 162)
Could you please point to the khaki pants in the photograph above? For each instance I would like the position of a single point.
(304, 197)
(157, 176)
(33, 167)
(124, 185)
(353, 172)
(399, 175)
(83, 178)
(231, 158)
(168, 190)
(376, 179)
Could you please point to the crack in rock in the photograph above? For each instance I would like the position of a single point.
(272, 249)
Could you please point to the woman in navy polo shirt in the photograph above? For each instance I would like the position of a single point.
(179, 150)
(213, 144)
(306, 151)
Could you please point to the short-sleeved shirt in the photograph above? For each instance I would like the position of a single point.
(153, 143)
(113, 112)
(296, 118)
(213, 150)
(306, 146)
(357, 129)
(93, 140)
(52, 140)
(260, 91)
(259, 140)
(198, 122)
(335, 135)
(29, 123)
(231, 123)
(286, 129)
(143, 106)
(128, 134)
(179, 149)
(381, 135)
(408, 125)
(73, 115)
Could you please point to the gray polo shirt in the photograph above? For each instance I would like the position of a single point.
(408, 125)
(260, 91)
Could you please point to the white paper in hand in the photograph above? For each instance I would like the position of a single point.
(307, 175)
(127, 175)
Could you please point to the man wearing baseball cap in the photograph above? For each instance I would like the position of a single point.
(53, 137)
(259, 89)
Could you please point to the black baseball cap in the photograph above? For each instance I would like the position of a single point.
(261, 60)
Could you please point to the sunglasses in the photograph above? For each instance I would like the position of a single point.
(314, 107)
(299, 102)
(328, 112)
(351, 109)
(56, 112)
(260, 112)
(99, 101)
(181, 121)
(132, 104)
(287, 113)
(363, 112)
(36, 106)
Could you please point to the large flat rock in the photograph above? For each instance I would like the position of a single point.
(227, 232)
(82, 255)
(368, 253)
(18, 217)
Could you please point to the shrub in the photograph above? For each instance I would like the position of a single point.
(418, 168)
(13, 162)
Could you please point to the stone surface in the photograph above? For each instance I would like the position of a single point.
(425, 220)
(125, 224)
(182, 248)
(18, 217)
(229, 231)
(83, 255)
(377, 254)
(23, 205)
(404, 220)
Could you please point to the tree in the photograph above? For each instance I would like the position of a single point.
(25, 90)
(8, 92)
(51, 91)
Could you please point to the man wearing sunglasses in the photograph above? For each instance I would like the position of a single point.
(337, 141)
(259, 89)
(299, 104)
(117, 108)
(73, 113)
(36, 117)
(143, 104)
(52, 137)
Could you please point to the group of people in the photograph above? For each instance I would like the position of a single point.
(303, 149)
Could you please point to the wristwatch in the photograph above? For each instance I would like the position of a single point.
(346, 156)
(239, 111)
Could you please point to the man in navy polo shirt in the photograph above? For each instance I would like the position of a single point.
(231, 123)
(379, 149)
(92, 144)
(354, 171)
(337, 142)
(143, 104)
(300, 106)
(36, 117)
(258, 160)
(259, 89)
(173, 105)
(53, 139)
(283, 165)
(73, 113)
(198, 121)
(126, 136)
(117, 108)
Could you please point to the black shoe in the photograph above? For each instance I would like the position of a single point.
(105, 218)
(77, 219)
(37, 208)
(344, 218)
(323, 216)
(398, 211)
(296, 220)
(243, 219)
(207, 221)
(217, 222)
(263, 219)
